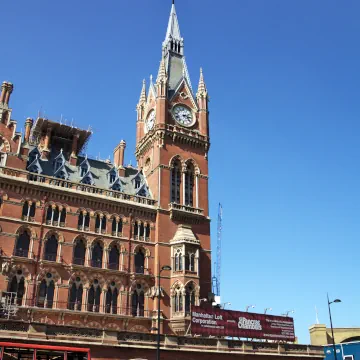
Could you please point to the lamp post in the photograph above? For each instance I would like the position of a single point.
(331, 325)
(288, 312)
(165, 267)
(227, 303)
(249, 307)
(267, 309)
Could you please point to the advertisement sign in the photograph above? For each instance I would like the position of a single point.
(218, 322)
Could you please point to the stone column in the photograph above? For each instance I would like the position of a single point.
(10, 88)
(28, 125)
(3, 92)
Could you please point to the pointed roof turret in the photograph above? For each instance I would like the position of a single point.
(202, 90)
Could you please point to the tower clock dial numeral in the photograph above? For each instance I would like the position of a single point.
(183, 115)
(150, 121)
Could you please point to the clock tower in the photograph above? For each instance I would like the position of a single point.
(172, 145)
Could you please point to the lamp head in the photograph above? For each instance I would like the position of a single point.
(337, 301)
(166, 267)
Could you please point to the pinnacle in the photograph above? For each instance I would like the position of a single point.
(143, 93)
(202, 91)
(162, 71)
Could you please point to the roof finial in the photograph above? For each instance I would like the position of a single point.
(173, 2)
(143, 93)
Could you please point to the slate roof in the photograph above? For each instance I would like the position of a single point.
(98, 171)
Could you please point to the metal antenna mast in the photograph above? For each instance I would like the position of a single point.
(217, 275)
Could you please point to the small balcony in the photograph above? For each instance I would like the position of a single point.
(50, 257)
(21, 253)
(96, 263)
(79, 261)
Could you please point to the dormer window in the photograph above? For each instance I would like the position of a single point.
(87, 180)
(116, 187)
(112, 177)
(2, 159)
(61, 175)
(58, 164)
(137, 183)
(83, 171)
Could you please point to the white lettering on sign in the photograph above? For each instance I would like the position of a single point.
(249, 324)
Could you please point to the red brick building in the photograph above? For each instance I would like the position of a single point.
(82, 240)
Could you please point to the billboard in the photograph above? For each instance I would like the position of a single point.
(218, 322)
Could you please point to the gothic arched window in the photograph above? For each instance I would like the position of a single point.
(46, 292)
(111, 299)
(114, 256)
(22, 245)
(97, 255)
(189, 298)
(75, 295)
(189, 185)
(79, 252)
(94, 297)
(178, 260)
(137, 301)
(51, 247)
(176, 182)
(17, 286)
(139, 262)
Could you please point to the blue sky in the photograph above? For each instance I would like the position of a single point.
(283, 78)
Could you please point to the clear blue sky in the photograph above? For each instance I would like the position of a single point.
(283, 77)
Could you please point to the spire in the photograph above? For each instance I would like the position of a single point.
(173, 29)
(143, 93)
(202, 91)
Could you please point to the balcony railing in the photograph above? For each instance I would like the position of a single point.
(97, 263)
(78, 261)
(50, 257)
(113, 266)
(186, 208)
(21, 253)
(113, 309)
(89, 189)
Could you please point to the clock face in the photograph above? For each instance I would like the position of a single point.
(150, 121)
(183, 115)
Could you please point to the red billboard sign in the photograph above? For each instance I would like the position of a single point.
(218, 322)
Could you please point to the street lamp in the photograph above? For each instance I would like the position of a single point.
(227, 303)
(332, 330)
(249, 307)
(288, 312)
(266, 310)
(165, 267)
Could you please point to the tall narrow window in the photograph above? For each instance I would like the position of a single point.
(51, 247)
(97, 255)
(139, 262)
(62, 217)
(46, 292)
(189, 185)
(114, 256)
(22, 245)
(75, 295)
(94, 297)
(189, 298)
(111, 299)
(79, 252)
(176, 182)
(138, 300)
(17, 285)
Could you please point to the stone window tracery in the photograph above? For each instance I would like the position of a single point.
(56, 215)
(28, 211)
(189, 185)
(76, 295)
(111, 301)
(138, 301)
(141, 231)
(140, 261)
(84, 221)
(46, 292)
(94, 296)
(117, 227)
(100, 224)
(190, 297)
(114, 258)
(17, 285)
(178, 260)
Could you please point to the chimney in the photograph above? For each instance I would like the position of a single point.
(28, 125)
(3, 92)
(119, 153)
(10, 88)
